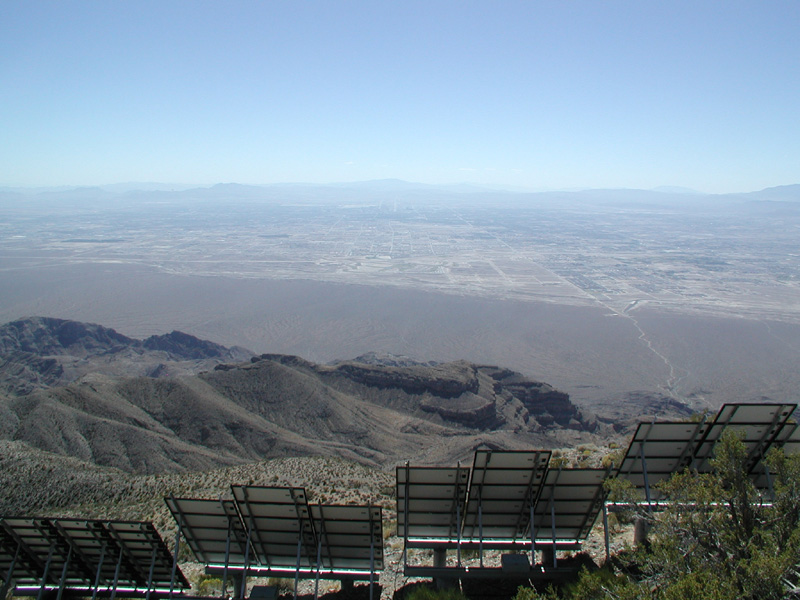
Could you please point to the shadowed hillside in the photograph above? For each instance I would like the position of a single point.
(41, 352)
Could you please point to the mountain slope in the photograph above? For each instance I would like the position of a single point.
(282, 406)
(40, 352)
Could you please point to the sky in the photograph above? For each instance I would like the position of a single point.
(540, 95)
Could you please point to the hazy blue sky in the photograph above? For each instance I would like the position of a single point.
(562, 94)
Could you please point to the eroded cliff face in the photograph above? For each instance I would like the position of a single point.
(474, 396)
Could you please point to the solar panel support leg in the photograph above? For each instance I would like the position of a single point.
(644, 475)
(371, 565)
(769, 482)
(458, 527)
(63, 581)
(10, 573)
(227, 560)
(297, 566)
(480, 533)
(553, 530)
(243, 584)
(150, 573)
(99, 571)
(46, 571)
(116, 575)
(605, 531)
(533, 538)
(175, 558)
(319, 567)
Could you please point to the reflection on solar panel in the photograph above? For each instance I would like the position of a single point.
(430, 503)
(212, 528)
(503, 488)
(349, 537)
(569, 503)
(86, 556)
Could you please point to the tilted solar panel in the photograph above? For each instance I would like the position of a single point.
(657, 450)
(86, 554)
(349, 537)
(569, 503)
(760, 426)
(430, 502)
(212, 528)
(278, 523)
(503, 486)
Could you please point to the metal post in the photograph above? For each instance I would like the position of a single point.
(116, 575)
(297, 567)
(533, 538)
(99, 571)
(10, 573)
(319, 566)
(458, 529)
(150, 574)
(480, 530)
(769, 484)
(405, 517)
(371, 561)
(243, 589)
(227, 560)
(46, 571)
(553, 529)
(175, 558)
(605, 530)
(644, 474)
(63, 581)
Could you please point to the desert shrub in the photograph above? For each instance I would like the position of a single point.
(427, 593)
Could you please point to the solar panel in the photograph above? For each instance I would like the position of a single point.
(503, 487)
(212, 528)
(569, 504)
(278, 522)
(144, 552)
(85, 554)
(657, 450)
(790, 440)
(430, 502)
(349, 537)
(759, 424)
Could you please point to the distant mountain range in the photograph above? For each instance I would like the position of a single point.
(784, 192)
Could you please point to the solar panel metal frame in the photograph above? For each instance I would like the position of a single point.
(71, 554)
(349, 537)
(504, 485)
(430, 504)
(657, 450)
(569, 504)
(279, 527)
(212, 528)
(761, 425)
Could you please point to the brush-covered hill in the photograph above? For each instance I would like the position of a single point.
(372, 412)
(284, 406)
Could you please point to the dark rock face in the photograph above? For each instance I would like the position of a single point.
(41, 352)
(545, 404)
(412, 380)
(47, 337)
(183, 345)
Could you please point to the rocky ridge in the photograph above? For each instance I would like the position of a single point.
(41, 352)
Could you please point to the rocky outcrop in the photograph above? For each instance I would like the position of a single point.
(41, 352)
(548, 406)
(444, 383)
